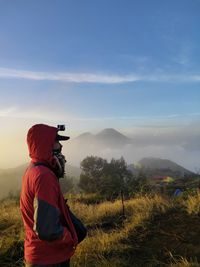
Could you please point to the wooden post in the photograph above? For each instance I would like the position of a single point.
(123, 208)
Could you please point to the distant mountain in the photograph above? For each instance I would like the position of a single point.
(164, 167)
(112, 137)
(85, 136)
(107, 138)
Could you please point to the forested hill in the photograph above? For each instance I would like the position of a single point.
(163, 164)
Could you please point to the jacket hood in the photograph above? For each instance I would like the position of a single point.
(40, 140)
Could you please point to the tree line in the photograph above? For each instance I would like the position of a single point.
(109, 179)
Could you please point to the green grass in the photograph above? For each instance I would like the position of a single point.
(157, 232)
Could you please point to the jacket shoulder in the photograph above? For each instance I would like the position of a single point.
(40, 171)
(40, 176)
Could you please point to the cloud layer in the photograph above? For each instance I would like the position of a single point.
(96, 77)
(180, 144)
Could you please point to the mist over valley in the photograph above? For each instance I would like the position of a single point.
(179, 144)
(175, 150)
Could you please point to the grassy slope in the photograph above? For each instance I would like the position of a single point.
(11, 234)
(157, 232)
(10, 179)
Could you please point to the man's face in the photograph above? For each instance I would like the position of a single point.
(57, 146)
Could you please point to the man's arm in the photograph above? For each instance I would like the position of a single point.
(47, 223)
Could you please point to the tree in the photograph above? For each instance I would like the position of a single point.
(92, 170)
(142, 184)
(111, 185)
(109, 179)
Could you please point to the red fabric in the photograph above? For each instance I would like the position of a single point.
(40, 140)
(41, 182)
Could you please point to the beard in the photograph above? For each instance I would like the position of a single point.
(59, 165)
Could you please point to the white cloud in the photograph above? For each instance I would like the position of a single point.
(41, 113)
(67, 76)
(7, 112)
(95, 77)
(49, 115)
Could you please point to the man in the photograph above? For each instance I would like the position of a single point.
(50, 237)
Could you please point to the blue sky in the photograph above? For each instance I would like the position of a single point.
(96, 64)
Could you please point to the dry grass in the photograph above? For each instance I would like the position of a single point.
(192, 204)
(101, 243)
(155, 228)
(184, 263)
(11, 234)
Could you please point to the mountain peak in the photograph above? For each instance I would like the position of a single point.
(111, 132)
(111, 137)
(108, 137)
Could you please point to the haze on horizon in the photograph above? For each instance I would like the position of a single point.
(128, 65)
(180, 145)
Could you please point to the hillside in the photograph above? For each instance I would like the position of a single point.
(164, 166)
(10, 179)
(157, 232)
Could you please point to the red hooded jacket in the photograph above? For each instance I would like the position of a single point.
(50, 236)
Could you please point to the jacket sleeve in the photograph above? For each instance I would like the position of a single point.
(47, 223)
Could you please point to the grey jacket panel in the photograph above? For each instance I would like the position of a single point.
(47, 221)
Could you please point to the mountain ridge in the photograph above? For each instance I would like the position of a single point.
(157, 167)
(159, 163)
(108, 137)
